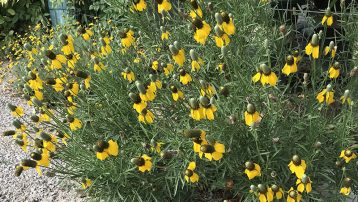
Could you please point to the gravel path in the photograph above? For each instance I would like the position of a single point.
(29, 186)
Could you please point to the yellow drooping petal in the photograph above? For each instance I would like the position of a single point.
(192, 165)
(112, 148)
(102, 155)
(315, 52)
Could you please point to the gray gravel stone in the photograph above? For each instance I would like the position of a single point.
(29, 187)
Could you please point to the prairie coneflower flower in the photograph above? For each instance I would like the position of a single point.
(327, 18)
(346, 98)
(22, 141)
(127, 38)
(312, 48)
(196, 12)
(297, 166)
(265, 75)
(208, 107)
(326, 95)
(156, 146)
(164, 5)
(290, 66)
(48, 141)
(227, 24)
(85, 76)
(144, 163)
(35, 82)
(347, 155)
(63, 136)
(278, 192)
(16, 111)
(104, 149)
(74, 123)
(56, 60)
(214, 151)
(28, 163)
(184, 77)
(155, 83)
(139, 104)
(207, 89)
(334, 70)
(105, 48)
(146, 94)
(251, 115)
(252, 170)
(177, 54)
(199, 139)
(67, 44)
(128, 75)
(42, 159)
(139, 5)
(85, 183)
(176, 94)
(19, 126)
(190, 175)
(221, 38)
(293, 196)
(265, 194)
(72, 59)
(331, 48)
(168, 69)
(98, 66)
(196, 62)
(346, 188)
(146, 116)
(165, 33)
(155, 65)
(202, 31)
(85, 33)
(73, 88)
(196, 111)
(304, 184)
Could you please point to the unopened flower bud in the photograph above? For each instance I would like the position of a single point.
(262, 188)
(318, 145)
(140, 87)
(329, 87)
(253, 188)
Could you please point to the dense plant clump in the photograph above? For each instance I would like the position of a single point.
(193, 100)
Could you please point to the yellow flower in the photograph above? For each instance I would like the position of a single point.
(290, 66)
(74, 88)
(67, 42)
(297, 166)
(56, 60)
(347, 155)
(21, 140)
(106, 49)
(75, 123)
(265, 75)
(251, 115)
(42, 159)
(104, 149)
(199, 139)
(86, 183)
(334, 70)
(176, 94)
(346, 188)
(190, 175)
(85, 33)
(178, 55)
(326, 95)
(16, 111)
(346, 98)
(197, 10)
(128, 75)
(72, 60)
(293, 196)
(156, 146)
(144, 163)
(202, 31)
(139, 104)
(28, 163)
(278, 192)
(227, 24)
(221, 67)
(196, 64)
(35, 82)
(164, 5)
(196, 111)
(49, 141)
(331, 48)
(252, 170)
(221, 38)
(312, 48)
(265, 194)
(304, 184)
(98, 66)
(139, 5)
(165, 35)
(146, 116)
(215, 151)
(127, 38)
(327, 18)
(184, 77)
(207, 90)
